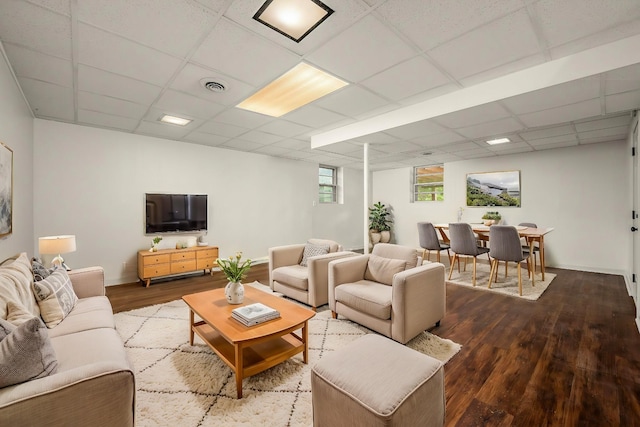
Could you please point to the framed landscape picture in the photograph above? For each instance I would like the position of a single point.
(6, 190)
(493, 189)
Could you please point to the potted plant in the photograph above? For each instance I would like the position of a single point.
(380, 223)
(491, 217)
(154, 246)
(234, 271)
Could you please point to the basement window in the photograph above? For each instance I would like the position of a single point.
(328, 184)
(428, 183)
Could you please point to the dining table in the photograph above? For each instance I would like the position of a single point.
(530, 234)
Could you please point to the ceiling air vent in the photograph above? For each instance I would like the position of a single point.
(213, 85)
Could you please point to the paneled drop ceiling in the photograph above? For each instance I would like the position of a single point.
(121, 64)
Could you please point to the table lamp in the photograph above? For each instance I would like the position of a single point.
(56, 245)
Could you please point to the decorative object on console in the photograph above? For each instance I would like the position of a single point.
(234, 271)
(154, 245)
(52, 245)
(491, 218)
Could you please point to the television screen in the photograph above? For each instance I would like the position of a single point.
(175, 212)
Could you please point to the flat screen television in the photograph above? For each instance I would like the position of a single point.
(167, 213)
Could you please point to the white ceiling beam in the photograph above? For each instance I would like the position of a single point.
(587, 63)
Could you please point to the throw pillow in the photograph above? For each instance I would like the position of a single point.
(26, 353)
(382, 270)
(313, 250)
(55, 297)
(40, 272)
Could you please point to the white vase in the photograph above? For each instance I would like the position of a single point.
(375, 237)
(234, 291)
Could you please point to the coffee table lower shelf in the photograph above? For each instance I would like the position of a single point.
(251, 357)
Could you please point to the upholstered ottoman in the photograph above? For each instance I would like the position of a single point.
(376, 381)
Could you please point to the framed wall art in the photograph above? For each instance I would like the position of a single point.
(6, 190)
(493, 189)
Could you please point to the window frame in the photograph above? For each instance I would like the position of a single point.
(437, 196)
(333, 186)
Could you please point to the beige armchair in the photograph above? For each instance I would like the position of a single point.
(304, 278)
(387, 293)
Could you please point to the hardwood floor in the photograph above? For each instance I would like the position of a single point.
(572, 358)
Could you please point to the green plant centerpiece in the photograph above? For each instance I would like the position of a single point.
(491, 217)
(154, 245)
(379, 223)
(234, 270)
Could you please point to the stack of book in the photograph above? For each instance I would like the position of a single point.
(254, 314)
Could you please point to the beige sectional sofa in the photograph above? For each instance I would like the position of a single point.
(93, 384)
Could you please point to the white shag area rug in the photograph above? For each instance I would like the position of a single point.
(505, 286)
(182, 385)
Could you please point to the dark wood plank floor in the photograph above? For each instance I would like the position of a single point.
(572, 358)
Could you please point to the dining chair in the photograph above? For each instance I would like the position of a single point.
(504, 243)
(429, 241)
(463, 242)
(527, 248)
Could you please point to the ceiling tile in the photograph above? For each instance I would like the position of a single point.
(618, 132)
(313, 117)
(106, 120)
(622, 101)
(503, 70)
(473, 116)
(551, 140)
(177, 103)
(38, 66)
(362, 50)
(284, 128)
(48, 100)
(560, 144)
(35, 28)
(567, 20)
(108, 52)
(341, 148)
(457, 148)
(623, 80)
(242, 145)
(220, 52)
(438, 139)
(397, 147)
(113, 106)
(243, 118)
(417, 130)
(429, 23)
(509, 147)
(169, 26)
(351, 101)
(489, 129)
(260, 137)
(206, 138)
(222, 129)
(498, 43)
(271, 150)
(599, 139)
(214, 5)
(293, 144)
(406, 79)
(567, 113)
(189, 80)
(164, 130)
(546, 132)
(109, 84)
(611, 122)
(554, 96)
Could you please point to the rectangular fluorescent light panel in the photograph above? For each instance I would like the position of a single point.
(175, 120)
(294, 19)
(498, 141)
(297, 87)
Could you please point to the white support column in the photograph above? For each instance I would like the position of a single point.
(365, 160)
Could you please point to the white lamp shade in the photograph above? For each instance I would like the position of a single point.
(57, 244)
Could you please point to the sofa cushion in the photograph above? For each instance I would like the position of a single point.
(55, 297)
(26, 353)
(382, 270)
(311, 250)
(366, 297)
(15, 285)
(295, 276)
(17, 313)
(5, 328)
(88, 313)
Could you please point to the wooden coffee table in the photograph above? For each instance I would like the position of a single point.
(249, 350)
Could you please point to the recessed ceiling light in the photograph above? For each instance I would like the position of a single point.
(498, 141)
(294, 19)
(297, 87)
(175, 120)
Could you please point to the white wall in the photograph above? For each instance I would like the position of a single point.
(91, 182)
(581, 191)
(16, 131)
